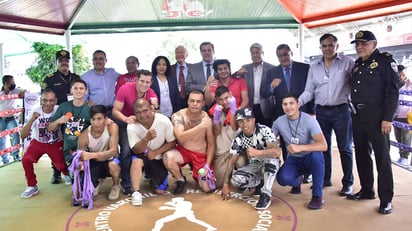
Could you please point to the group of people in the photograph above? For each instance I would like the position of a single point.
(232, 129)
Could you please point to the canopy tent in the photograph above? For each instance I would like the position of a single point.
(105, 16)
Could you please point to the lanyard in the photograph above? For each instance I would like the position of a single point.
(296, 129)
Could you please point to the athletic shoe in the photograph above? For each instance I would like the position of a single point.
(180, 187)
(96, 190)
(264, 202)
(316, 202)
(137, 198)
(307, 179)
(67, 180)
(402, 161)
(56, 179)
(258, 188)
(114, 193)
(30, 191)
(127, 191)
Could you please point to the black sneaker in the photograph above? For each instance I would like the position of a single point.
(127, 191)
(56, 180)
(180, 187)
(296, 190)
(264, 202)
(258, 188)
(307, 179)
(316, 203)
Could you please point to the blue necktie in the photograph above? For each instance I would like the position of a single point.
(287, 77)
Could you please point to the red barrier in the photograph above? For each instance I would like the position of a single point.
(10, 149)
(8, 97)
(11, 131)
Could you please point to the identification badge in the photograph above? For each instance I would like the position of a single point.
(294, 140)
(69, 97)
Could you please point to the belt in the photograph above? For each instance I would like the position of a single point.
(331, 107)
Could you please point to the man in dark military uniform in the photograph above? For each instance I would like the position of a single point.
(60, 82)
(374, 93)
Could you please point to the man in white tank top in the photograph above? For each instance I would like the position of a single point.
(99, 144)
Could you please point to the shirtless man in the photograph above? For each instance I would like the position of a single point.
(196, 142)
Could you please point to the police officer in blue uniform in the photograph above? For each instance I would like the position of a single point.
(374, 93)
(60, 82)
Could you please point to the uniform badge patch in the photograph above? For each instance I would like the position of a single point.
(373, 65)
(394, 67)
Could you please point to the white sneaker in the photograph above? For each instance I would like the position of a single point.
(67, 180)
(403, 161)
(29, 192)
(136, 198)
(114, 193)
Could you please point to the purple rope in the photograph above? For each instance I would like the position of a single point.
(85, 193)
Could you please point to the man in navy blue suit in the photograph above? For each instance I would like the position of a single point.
(287, 78)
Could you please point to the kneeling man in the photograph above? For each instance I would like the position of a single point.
(149, 137)
(99, 144)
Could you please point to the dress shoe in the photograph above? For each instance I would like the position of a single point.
(345, 191)
(385, 208)
(361, 196)
(327, 184)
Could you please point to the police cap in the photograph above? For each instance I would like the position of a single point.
(364, 36)
(62, 54)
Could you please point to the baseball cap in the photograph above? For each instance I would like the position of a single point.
(62, 54)
(364, 36)
(244, 113)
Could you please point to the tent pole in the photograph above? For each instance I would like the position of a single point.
(301, 37)
(67, 34)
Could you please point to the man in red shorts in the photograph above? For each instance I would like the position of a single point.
(196, 142)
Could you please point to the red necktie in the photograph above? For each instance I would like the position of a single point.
(182, 83)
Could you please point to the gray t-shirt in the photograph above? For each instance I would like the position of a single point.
(298, 131)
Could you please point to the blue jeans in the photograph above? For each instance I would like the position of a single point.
(7, 123)
(295, 167)
(338, 119)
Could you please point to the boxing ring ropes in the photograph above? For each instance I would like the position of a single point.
(405, 126)
(8, 113)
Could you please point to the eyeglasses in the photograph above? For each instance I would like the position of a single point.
(100, 59)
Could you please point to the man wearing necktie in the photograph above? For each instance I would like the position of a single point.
(201, 71)
(181, 72)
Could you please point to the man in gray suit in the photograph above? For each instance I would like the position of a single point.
(255, 76)
(200, 72)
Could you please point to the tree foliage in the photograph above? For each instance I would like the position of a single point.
(45, 62)
(170, 42)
